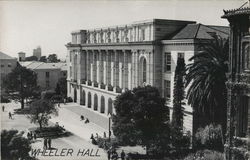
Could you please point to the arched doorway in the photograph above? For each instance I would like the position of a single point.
(110, 107)
(102, 104)
(82, 102)
(95, 102)
(89, 100)
(75, 95)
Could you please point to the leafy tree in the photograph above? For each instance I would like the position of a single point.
(40, 112)
(179, 93)
(21, 84)
(43, 59)
(14, 145)
(206, 79)
(52, 58)
(61, 87)
(31, 58)
(142, 118)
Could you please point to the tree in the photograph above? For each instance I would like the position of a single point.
(31, 58)
(14, 145)
(142, 118)
(40, 112)
(61, 87)
(206, 79)
(52, 58)
(179, 93)
(43, 59)
(21, 84)
(178, 140)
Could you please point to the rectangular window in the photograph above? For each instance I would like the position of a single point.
(142, 34)
(9, 65)
(167, 61)
(167, 89)
(180, 55)
(47, 74)
(2, 65)
(47, 84)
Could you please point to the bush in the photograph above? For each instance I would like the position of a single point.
(4, 99)
(69, 99)
(209, 137)
(206, 155)
(106, 144)
(47, 94)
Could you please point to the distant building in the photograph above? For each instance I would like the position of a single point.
(104, 62)
(37, 52)
(48, 74)
(7, 64)
(21, 56)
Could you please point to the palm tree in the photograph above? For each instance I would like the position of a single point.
(205, 80)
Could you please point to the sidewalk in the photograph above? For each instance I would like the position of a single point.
(71, 122)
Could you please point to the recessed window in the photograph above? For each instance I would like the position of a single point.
(167, 89)
(180, 55)
(167, 62)
(47, 74)
(9, 65)
(2, 65)
(246, 53)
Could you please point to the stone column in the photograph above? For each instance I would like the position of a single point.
(112, 63)
(129, 85)
(105, 64)
(116, 78)
(87, 66)
(98, 75)
(91, 55)
(121, 67)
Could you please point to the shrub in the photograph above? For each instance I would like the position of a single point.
(106, 144)
(209, 137)
(206, 155)
(4, 99)
(69, 99)
(47, 94)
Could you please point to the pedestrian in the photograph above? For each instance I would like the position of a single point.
(10, 116)
(31, 135)
(64, 101)
(82, 117)
(114, 155)
(49, 143)
(35, 135)
(3, 108)
(96, 135)
(87, 120)
(109, 154)
(59, 105)
(104, 135)
(28, 135)
(45, 143)
(123, 155)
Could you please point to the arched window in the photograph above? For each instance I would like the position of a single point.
(102, 104)
(144, 71)
(95, 102)
(110, 107)
(89, 100)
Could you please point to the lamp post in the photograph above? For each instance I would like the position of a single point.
(109, 116)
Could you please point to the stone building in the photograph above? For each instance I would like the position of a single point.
(238, 85)
(7, 64)
(37, 52)
(104, 62)
(48, 74)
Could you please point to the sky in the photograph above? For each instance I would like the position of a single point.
(24, 25)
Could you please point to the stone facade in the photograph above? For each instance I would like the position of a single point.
(103, 63)
(238, 85)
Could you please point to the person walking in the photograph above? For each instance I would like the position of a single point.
(109, 154)
(59, 105)
(49, 143)
(10, 116)
(45, 146)
(3, 108)
(123, 155)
